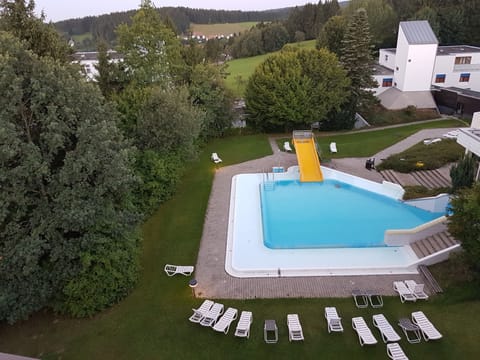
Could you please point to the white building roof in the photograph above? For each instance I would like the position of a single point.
(418, 32)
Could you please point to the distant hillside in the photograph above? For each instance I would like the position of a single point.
(103, 26)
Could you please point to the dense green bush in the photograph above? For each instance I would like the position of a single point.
(463, 173)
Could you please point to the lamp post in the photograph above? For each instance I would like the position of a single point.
(193, 284)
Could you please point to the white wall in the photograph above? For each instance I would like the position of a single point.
(414, 65)
(445, 64)
(386, 58)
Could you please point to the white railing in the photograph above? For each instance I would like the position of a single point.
(409, 236)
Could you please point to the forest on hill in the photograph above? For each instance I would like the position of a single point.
(103, 26)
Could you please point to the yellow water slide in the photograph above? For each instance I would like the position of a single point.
(307, 156)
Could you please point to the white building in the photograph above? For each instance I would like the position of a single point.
(89, 59)
(407, 73)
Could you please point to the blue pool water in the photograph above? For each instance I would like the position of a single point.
(332, 214)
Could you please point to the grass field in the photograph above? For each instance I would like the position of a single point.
(221, 29)
(240, 70)
(152, 322)
(368, 143)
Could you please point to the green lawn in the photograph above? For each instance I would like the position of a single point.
(368, 143)
(240, 70)
(152, 322)
(221, 29)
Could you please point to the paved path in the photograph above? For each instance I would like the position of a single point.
(214, 282)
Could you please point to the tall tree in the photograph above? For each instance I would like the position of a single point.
(66, 221)
(357, 58)
(295, 88)
(332, 33)
(18, 18)
(382, 20)
(151, 49)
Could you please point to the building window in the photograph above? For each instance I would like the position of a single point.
(464, 77)
(387, 82)
(440, 78)
(463, 60)
(386, 57)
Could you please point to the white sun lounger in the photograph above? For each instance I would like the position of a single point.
(333, 147)
(223, 324)
(431, 141)
(395, 352)
(215, 158)
(365, 335)
(404, 292)
(429, 331)
(386, 330)
(287, 147)
(198, 314)
(177, 269)
(212, 315)
(295, 332)
(244, 323)
(334, 322)
(417, 289)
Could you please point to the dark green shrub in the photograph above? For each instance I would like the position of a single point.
(463, 173)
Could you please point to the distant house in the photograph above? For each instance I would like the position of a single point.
(409, 73)
(89, 59)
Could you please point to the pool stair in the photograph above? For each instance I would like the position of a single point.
(433, 244)
(269, 185)
(431, 179)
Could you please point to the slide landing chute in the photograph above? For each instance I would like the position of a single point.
(307, 156)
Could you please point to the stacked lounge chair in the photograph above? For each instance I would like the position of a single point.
(395, 352)
(223, 324)
(334, 322)
(386, 330)
(405, 293)
(429, 331)
(212, 315)
(365, 335)
(295, 331)
(199, 314)
(244, 323)
(418, 290)
(171, 270)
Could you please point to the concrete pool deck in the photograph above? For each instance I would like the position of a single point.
(215, 283)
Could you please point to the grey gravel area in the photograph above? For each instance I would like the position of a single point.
(215, 283)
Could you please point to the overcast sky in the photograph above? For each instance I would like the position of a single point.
(66, 9)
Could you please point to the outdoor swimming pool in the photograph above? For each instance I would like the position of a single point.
(247, 255)
(331, 213)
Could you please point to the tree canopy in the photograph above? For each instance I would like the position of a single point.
(67, 226)
(18, 18)
(295, 88)
(464, 224)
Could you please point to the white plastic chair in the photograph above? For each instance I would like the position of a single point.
(365, 335)
(418, 290)
(404, 292)
(198, 314)
(215, 158)
(386, 330)
(178, 269)
(334, 322)
(223, 324)
(295, 331)
(395, 352)
(244, 323)
(287, 147)
(429, 331)
(333, 147)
